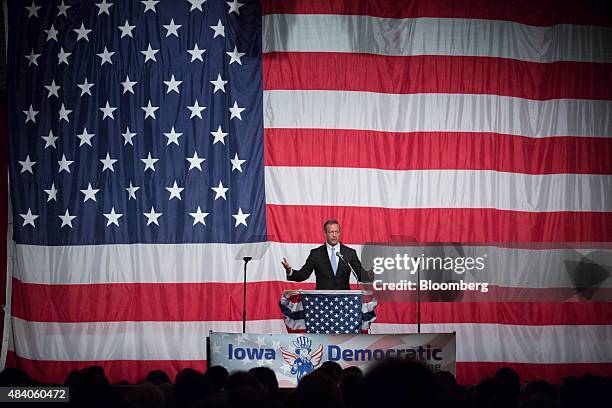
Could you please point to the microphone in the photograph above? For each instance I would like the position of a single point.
(246, 259)
(339, 255)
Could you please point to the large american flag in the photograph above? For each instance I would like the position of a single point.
(155, 143)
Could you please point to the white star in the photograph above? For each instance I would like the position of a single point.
(33, 10)
(85, 137)
(219, 136)
(128, 86)
(104, 7)
(215, 348)
(219, 29)
(234, 6)
(219, 84)
(149, 110)
(172, 29)
(149, 53)
(52, 192)
(67, 219)
(52, 89)
(63, 9)
(63, 113)
(150, 5)
(196, 4)
(32, 58)
(50, 140)
(173, 137)
(220, 191)
(62, 56)
(195, 161)
(196, 110)
(30, 114)
(235, 56)
(175, 191)
(90, 193)
(240, 218)
(196, 53)
(108, 111)
(149, 162)
(106, 56)
(64, 164)
(237, 163)
(52, 33)
(152, 217)
(173, 85)
(82, 33)
(235, 111)
(276, 345)
(107, 163)
(260, 342)
(113, 217)
(126, 29)
(28, 218)
(27, 164)
(85, 87)
(132, 191)
(127, 136)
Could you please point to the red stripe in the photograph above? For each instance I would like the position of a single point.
(364, 225)
(543, 13)
(437, 151)
(223, 302)
(135, 371)
(437, 74)
(474, 372)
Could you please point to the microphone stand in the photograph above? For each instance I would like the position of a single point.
(339, 255)
(246, 260)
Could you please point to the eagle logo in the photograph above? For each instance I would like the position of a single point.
(303, 361)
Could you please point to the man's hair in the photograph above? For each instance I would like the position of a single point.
(330, 222)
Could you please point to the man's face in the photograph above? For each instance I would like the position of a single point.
(332, 234)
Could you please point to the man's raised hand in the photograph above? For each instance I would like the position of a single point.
(286, 265)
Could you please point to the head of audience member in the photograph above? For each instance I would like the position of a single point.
(352, 370)
(350, 388)
(95, 370)
(511, 380)
(91, 390)
(218, 376)
(317, 389)
(190, 387)
(145, 395)
(486, 390)
(333, 369)
(267, 378)
(14, 377)
(157, 377)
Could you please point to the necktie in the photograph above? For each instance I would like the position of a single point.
(334, 261)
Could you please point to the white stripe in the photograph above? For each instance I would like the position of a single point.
(323, 109)
(513, 267)
(520, 344)
(187, 340)
(124, 340)
(363, 187)
(435, 36)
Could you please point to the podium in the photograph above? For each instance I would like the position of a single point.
(328, 311)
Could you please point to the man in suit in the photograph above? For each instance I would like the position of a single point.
(332, 272)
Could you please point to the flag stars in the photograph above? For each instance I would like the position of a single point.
(62, 56)
(196, 53)
(28, 218)
(149, 162)
(108, 111)
(237, 163)
(85, 137)
(173, 85)
(51, 193)
(240, 218)
(172, 29)
(108, 163)
(63, 9)
(152, 217)
(33, 10)
(132, 191)
(52, 33)
(67, 219)
(195, 162)
(235, 56)
(27, 164)
(219, 84)
(85, 87)
(63, 113)
(32, 58)
(50, 140)
(128, 86)
(82, 33)
(220, 191)
(104, 7)
(30, 114)
(175, 191)
(150, 5)
(64, 165)
(112, 217)
(90, 193)
(126, 29)
(196, 110)
(128, 136)
(196, 4)
(173, 137)
(198, 216)
(235, 111)
(219, 136)
(234, 6)
(149, 54)
(149, 110)
(53, 89)
(106, 56)
(219, 29)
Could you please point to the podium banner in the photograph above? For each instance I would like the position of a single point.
(292, 356)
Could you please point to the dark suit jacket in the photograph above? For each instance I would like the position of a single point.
(318, 261)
